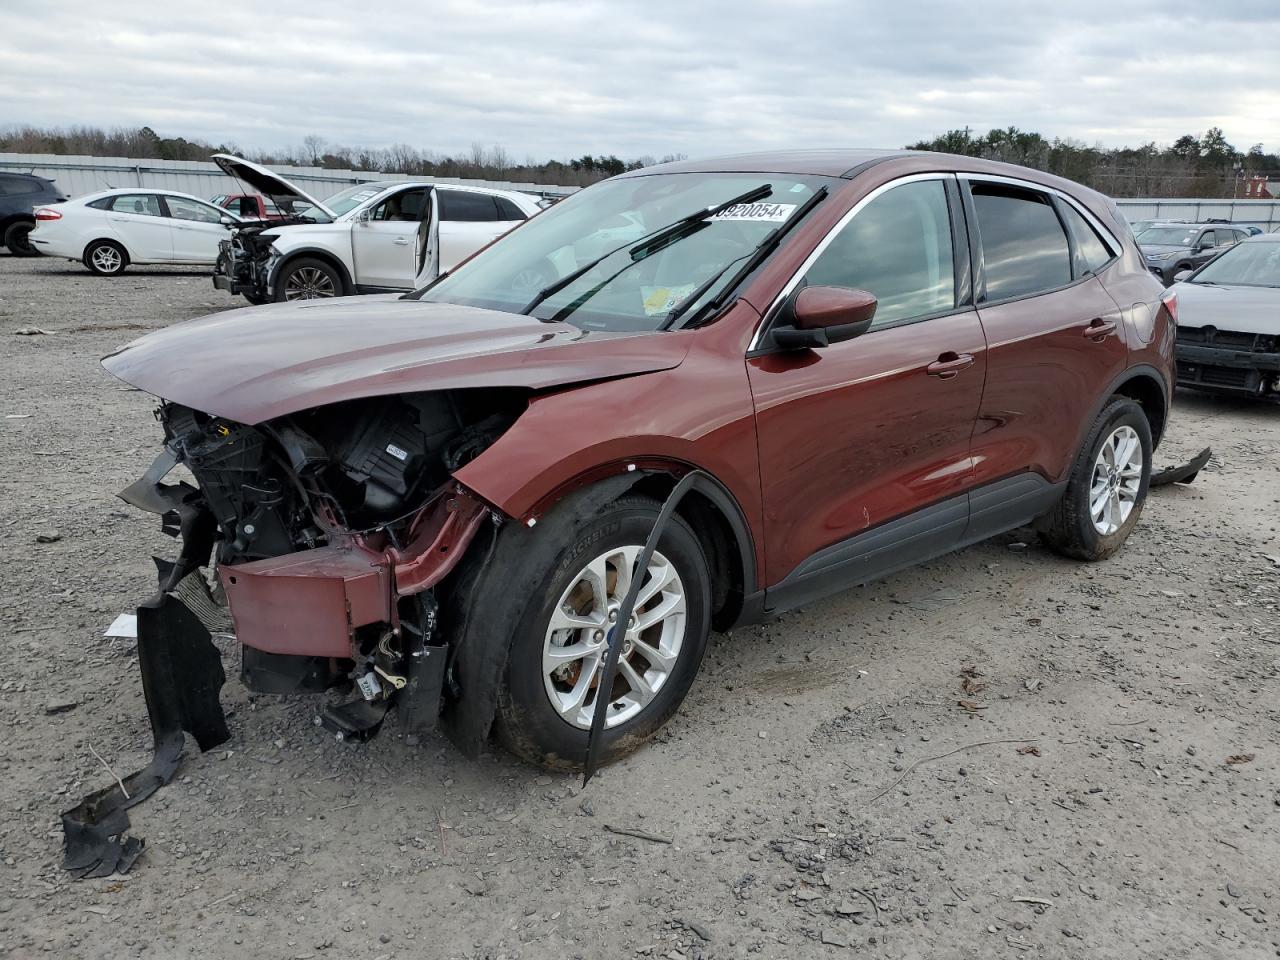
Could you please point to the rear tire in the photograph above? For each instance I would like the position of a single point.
(554, 732)
(17, 239)
(308, 278)
(106, 258)
(1107, 486)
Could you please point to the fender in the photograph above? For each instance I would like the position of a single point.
(320, 253)
(1127, 375)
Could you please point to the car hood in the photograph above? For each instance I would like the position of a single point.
(1238, 308)
(266, 182)
(1154, 249)
(258, 363)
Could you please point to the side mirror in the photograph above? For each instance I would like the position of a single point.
(225, 220)
(363, 216)
(1182, 275)
(821, 316)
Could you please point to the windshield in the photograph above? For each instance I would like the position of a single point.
(1252, 264)
(626, 290)
(1168, 236)
(352, 197)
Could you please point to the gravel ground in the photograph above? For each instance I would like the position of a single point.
(999, 754)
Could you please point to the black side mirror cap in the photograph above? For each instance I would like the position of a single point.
(793, 338)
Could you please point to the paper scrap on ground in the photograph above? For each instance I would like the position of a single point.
(125, 625)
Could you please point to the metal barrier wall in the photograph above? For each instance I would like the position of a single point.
(1255, 213)
(76, 176)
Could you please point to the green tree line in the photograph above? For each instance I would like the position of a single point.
(1206, 166)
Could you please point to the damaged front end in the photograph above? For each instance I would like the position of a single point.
(245, 260)
(326, 534)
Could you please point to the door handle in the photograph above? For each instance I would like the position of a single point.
(402, 241)
(1099, 329)
(949, 364)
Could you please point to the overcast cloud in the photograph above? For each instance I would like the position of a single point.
(560, 79)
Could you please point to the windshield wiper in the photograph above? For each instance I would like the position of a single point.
(757, 256)
(649, 242)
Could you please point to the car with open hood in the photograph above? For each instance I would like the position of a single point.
(1229, 322)
(375, 237)
(517, 508)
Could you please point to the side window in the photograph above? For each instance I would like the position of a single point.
(141, 204)
(466, 206)
(899, 248)
(102, 203)
(182, 209)
(247, 207)
(403, 207)
(9, 186)
(508, 210)
(1024, 248)
(1093, 251)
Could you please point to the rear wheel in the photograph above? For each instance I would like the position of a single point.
(1107, 487)
(105, 258)
(308, 279)
(17, 237)
(557, 655)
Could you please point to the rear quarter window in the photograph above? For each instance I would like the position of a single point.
(1093, 252)
(1024, 247)
(508, 210)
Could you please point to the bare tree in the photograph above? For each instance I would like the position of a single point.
(315, 146)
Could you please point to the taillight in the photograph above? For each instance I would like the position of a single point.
(1170, 301)
(44, 213)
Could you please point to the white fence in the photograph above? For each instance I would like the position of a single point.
(1264, 214)
(76, 176)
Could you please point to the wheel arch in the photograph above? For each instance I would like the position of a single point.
(315, 253)
(1147, 387)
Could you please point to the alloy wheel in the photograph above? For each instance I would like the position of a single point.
(106, 258)
(578, 634)
(309, 283)
(1117, 477)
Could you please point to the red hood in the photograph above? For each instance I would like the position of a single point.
(259, 363)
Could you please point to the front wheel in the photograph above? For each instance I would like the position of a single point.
(553, 674)
(308, 279)
(1107, 487)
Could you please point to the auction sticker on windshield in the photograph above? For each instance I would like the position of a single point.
(763, 212)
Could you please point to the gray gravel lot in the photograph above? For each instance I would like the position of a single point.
(822, 785)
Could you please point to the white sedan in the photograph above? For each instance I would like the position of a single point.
(108, 231)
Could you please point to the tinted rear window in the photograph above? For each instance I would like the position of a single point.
(1093, 252)
(462, 205)
(1024, 248)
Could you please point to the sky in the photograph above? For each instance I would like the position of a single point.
(695, 77)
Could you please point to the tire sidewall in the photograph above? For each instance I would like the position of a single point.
(1119, 412)
(17, 238)
(282, 278)
(88, 258)
(527, 721)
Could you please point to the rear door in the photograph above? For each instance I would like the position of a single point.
(139, 223)
(876, 429)
(468, 221)
(1054, 334)
(197, 229)
(383, 244)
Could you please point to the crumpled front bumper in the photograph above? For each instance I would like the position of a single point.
(1246, 372)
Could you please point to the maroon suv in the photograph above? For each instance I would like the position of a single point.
(437, 502)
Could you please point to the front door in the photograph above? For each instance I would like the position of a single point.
(141, 225)
(384, 243)
(873, 430)
(197, 229)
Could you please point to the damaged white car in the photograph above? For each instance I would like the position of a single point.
(371, 238)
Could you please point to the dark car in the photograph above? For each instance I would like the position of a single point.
(1229, 322)
(440, 502)
(1170, 248)
(20, 194)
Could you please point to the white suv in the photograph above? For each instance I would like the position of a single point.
(370, 238)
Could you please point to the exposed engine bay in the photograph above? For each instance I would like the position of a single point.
(244, 262)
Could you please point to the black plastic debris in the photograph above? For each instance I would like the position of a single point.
(1184, 473)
